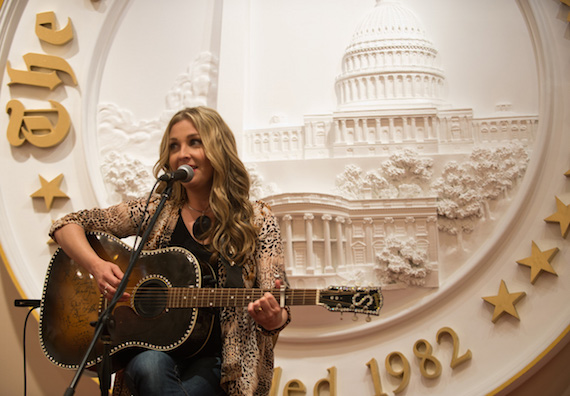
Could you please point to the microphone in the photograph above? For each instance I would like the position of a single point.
(184, 173)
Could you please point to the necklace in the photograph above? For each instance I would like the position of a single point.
(202, 224)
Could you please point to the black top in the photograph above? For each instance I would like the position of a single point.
(182, 238)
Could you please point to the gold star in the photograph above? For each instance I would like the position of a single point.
(50, 190)
(504, 302)
(539, 261)
(561, 216)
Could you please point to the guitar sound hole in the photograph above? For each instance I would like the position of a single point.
(150, 299)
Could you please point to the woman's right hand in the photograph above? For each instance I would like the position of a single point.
(71, 238)
(108, 277)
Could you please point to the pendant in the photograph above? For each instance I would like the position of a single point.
(201, 226)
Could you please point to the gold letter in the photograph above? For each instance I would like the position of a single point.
(46, 31)
(38, 130)
(331, 382)
(275, 381)
(41, 79)
(295, 386)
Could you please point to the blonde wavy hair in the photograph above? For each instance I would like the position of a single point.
(233, 235)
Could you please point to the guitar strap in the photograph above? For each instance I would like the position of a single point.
(233, 274)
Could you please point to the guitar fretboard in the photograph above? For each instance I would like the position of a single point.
(233, 297)
(334, 298)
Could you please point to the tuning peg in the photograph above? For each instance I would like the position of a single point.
(341, 318)
(368, 318)
(354, 318)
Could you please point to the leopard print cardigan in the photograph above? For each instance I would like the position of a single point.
(247, 352)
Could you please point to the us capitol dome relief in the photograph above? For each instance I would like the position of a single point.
(419, 183)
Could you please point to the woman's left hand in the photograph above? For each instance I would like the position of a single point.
(267, 312)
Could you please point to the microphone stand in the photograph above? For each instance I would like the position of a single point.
(106, 321)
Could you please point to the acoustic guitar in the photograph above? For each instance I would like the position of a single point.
(169, 310)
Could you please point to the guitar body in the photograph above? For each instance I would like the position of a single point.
(71, 303)
(169, 309)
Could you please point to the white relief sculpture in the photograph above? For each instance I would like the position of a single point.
(408, 171)
(128, 177)
(119, 131)
(465, 189)
(391, 106)
(359, 278)
(402, 261)
(346, 251)
(349, 183)
(259, 188)
(121, 136)
(196, 87)
(390, 95)
(405, 174)
(380, 187)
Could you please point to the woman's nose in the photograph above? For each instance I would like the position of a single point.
(184, 151)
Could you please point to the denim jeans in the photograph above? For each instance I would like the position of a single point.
(157, 373)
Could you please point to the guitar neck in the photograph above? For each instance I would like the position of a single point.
(182, 297)
(342, 299)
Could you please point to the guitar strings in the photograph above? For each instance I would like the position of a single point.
(203, 297)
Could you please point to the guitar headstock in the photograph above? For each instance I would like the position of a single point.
(366, 300)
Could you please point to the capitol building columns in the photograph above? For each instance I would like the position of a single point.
(328, 268)
(290, 264)
(310, 257)
(340, 247)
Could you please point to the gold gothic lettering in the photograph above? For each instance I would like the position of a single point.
(329, 383)
(43, 79)
(294, 387)
(35, 126)
(46, 29)
(396, 364)
(277, 371)
(297, 388)
(41, 127)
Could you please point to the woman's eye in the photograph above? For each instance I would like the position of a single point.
(195, 142)
(173, 146)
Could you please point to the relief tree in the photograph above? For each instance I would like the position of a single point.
(408, 172)
(402, 261)
(350, 182)
(459, 200)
